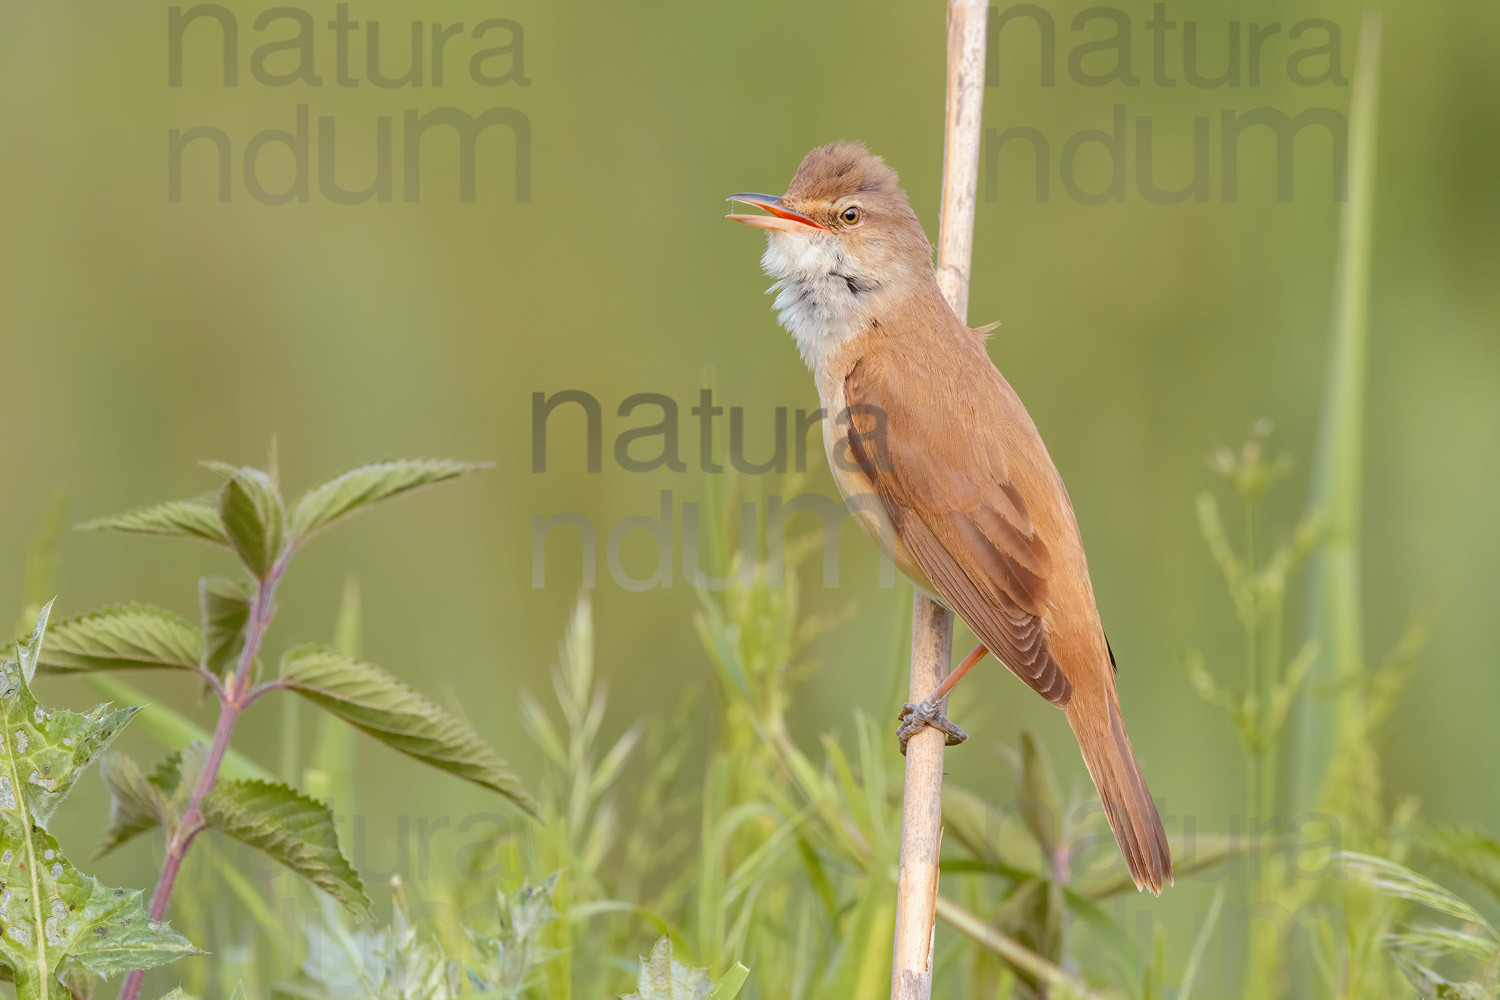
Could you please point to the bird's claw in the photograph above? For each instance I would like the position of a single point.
(916, 717)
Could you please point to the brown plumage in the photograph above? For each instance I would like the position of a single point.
(940, 461)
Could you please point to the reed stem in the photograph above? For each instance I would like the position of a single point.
(932, 625)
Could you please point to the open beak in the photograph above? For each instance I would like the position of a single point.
(781, 217)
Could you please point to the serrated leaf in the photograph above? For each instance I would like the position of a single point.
(251, 511)
(114, 933)
(197, 519)
(177, 774)
(399, 962)
(43, 752)
(135, 804)
(140, 802)
(504, 963)
(224, 606)
(179, 994)
(122, 637)
(662, 977)
(29, 651)
(57, 920)
(289, 828)
(358, 488)
(383, 706)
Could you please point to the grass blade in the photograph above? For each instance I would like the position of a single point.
(1334, 619)
(1200, 947)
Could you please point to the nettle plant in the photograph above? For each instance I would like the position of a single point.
(183, 794)
(58, 926)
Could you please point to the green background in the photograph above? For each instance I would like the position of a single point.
(139, 335)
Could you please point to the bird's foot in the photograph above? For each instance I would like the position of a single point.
(915, 718)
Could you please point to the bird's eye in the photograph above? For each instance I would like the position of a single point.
(850, 214)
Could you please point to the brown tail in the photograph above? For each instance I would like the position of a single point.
(1127, 801)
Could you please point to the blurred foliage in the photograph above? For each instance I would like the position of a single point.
(140, 333)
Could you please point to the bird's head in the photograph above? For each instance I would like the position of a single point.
(843, 241)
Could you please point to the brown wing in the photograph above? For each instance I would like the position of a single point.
(953, 504)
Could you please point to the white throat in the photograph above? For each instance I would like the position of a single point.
(823, 296)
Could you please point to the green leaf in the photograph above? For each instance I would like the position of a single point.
(76, 981)
(664, 978)
(225, 609)
(140, 802)
(290, 828)
(113, 933)
(1399, 882)
(250, 509)
(998, 844)
(1031, 913)
(179, 994)
(1471, 853)
(125, 636)
(176, 775)
(43, 752)
(29, 652)
(339, 497)
(729, 985)
(197, 519)
(1120, 941)
(400, 962)
(505, 962)
(386, 708)
(135, 804)
(1419, 950)
(58, 920)
(1040, 801)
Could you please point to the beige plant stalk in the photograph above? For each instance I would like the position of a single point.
(932, 625)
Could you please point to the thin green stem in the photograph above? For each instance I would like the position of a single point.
(1257, 697)
(1269, 782)
(234, 698)
(1253, 758)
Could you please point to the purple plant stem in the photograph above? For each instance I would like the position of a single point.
(236, 697)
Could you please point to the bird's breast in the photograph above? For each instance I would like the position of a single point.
(822, 295)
